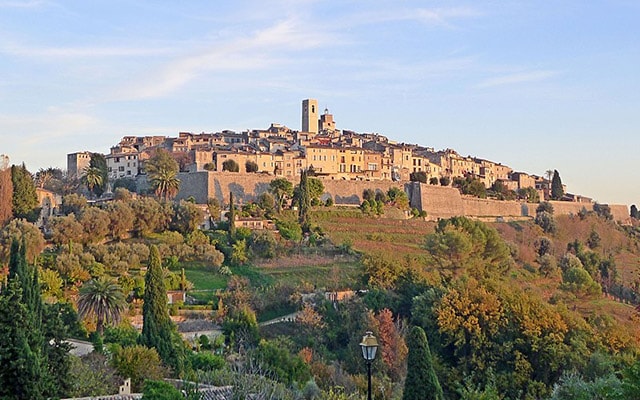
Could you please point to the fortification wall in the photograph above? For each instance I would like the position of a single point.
(473, 206)
(437, 201)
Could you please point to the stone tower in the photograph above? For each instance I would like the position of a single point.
(310, 115)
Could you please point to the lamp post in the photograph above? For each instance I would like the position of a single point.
(369, 346)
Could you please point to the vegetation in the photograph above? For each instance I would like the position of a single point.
(163, 170)
(421, 381)
(557, 190)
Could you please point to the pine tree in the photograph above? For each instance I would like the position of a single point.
(557, 191)
(304, 203)
(157, 329)
(421, 382)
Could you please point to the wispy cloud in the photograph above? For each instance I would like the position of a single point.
(517, 78)
(443, 17)
(22, 4)
(75, 52)
(264, 49)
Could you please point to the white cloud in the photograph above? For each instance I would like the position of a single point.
(76, 52)
(264, 49)
(22, 4)
(429, 16)
(516, 78)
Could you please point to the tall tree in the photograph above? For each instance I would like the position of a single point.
(99, 162)
(281, 190)
(557, 191)
(6, 196)
(23, 372)
(104, 299)
(304, 203)
(634, 212)
(157, 329)
(25, 199)
(162, 170)
(92, 177)
(421, 381)
(232, 218)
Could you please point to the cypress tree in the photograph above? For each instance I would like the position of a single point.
(304, 202)
(25, 199)
(556, 186)
(157, 329)
(421, 382)
(23, 367)
(232, 219)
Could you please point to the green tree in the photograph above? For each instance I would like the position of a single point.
(186, 217)
(281, 189)
(157, 329)
(557, 191)
(160, 390)
(162, 170)
(421, 381)
(104, 299)
(32, 337)
(25, 199)
(250, 166)
(99, 162)
(232, 219)
(634, 213)
(304, 203)
(418, 176)
(92, 177)
(138, 363)
(231, 166)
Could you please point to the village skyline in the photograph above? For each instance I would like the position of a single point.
(531, 87)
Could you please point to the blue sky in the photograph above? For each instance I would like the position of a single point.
(534, 85)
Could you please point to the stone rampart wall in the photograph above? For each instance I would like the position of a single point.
(437, 201)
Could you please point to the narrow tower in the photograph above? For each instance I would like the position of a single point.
(310, 115)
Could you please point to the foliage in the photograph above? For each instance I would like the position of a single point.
(603, 211)
(34, 361)
(6, 196)
(418, 176)
(104, 299)
(92, 177)
(545, 219)
(157, 329)
(445, 181)
(24, 232)
(162, 170)
(25, 200)
(160, 390)
(471, 186)
(91, 375)
(231, 166)
(557, 190)
(186, 217)
(398, 197)
(138, 363)
(634, 213)
(304, 202)
(281, 189)
(289, 229)
(98, 162)
(287, 368)
(421, 381)
(206, 361)
(251, 166)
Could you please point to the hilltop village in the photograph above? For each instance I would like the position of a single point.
(332, 154)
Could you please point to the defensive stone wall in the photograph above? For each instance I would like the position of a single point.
(437, 201)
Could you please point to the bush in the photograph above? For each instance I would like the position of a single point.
(206, 361)
(159, 390)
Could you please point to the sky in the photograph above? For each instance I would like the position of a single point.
(534, 85)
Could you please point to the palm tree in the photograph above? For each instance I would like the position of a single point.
(103, 298)
(165, 182)
(92, 177)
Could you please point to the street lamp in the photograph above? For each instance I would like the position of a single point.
(369, 346)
